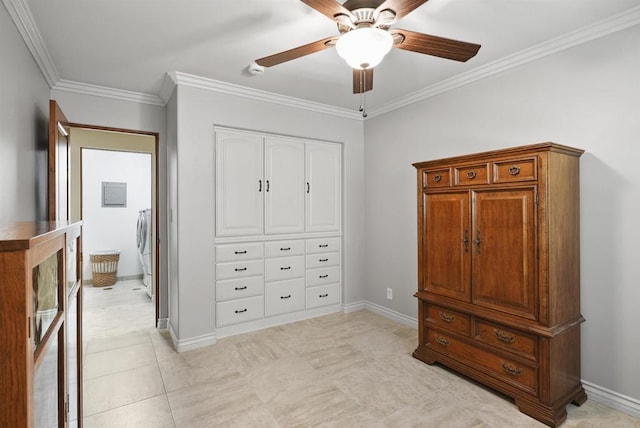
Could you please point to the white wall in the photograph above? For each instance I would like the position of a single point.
(198, 110)
(24, 117)
(587, 97)
(108, 112)
(114, 228)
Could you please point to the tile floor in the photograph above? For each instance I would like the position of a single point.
(340, 370)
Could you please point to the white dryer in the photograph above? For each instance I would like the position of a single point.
(145, 246)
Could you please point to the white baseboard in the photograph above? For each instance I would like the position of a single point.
(391, 314)
(191, 343)
(612, 399)
(353, 307)
(163, 323)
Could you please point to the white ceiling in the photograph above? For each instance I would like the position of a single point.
(132, 44)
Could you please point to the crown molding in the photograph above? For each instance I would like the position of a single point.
(106, 92)
(600, 29)
(22, 18)
(260, 95)
(168, 86)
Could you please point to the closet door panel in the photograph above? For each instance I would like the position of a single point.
(239, 183)
(323, 187)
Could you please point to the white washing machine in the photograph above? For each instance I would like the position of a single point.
(144, 243)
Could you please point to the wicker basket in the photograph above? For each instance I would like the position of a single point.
(104, 265)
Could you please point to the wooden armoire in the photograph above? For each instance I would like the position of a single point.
(499, 273)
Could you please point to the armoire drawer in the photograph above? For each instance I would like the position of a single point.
(521, 375)
(323, 276)
(237, 252)
(322, 245)
(323, 295)
(240, 310)
(284, 296)
(506, 338)
(280, 268)
(239, 288)
(439, 178)
(515, 170)
(320, 260)
(448, 319)
(473, 174)
(239, 269)
(294, 247)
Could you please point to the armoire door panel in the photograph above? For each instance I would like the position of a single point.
(284, 186)
(239, 184)
(447, 255)
(503, 263)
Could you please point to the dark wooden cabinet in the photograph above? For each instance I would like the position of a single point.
(40, 325)
(499, 273)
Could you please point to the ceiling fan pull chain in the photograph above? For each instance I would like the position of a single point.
(363, 100)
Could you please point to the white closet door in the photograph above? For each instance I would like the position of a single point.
(284, 186)
(239, 183)
(323, 187)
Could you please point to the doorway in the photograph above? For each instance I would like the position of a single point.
(107, 163)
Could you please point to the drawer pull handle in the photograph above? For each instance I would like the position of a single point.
(324, 295)
(471, 175)
(323, 245)
(241, 311)
(240, 269)
(437, 178)
(241, 288)
(504, 336)
(285, 248)
(323, 276)
(240, 252)
(441, 340)
(323, 260)
(285, 268)
(286, 297)
(511, 370)
(446, 317)
(514, 170)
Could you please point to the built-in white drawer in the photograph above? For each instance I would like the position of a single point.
(322, 245)
(280, 268)
(284, 296)
(323, 295)
(322, 259)
(239, 288)
(240, 310)
(236, 252)
(284, 248)
(323, 276)
(239, 269)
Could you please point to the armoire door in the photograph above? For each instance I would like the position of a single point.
(323, 187)
(504, 250)
(284, 186)
(239, 183)
(446, 246)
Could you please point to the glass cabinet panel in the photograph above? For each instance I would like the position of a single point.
(45, 296)
(45, 388)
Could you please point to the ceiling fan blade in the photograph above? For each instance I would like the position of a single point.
(329, 8)
(434, 45)
(362, 80)
(298, 52)
(400, 7)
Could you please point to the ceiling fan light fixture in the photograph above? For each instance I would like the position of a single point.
(364, 48)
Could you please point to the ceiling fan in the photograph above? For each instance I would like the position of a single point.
(366, 37)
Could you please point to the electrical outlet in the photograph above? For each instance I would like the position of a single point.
(389, 294)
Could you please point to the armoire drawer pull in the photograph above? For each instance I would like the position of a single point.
(323, 276)
(241, 311)
(285, 268)
(286, 297)
(437, 178)
(241, 288)
(441, 340)
(510, 369)
(514, 170)
(504, 336)
(324, 295)
(240, 269)
(446, 317)
(323, 245)
(471, 175)
(323, 260)
(285, 248)
(240, 252)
